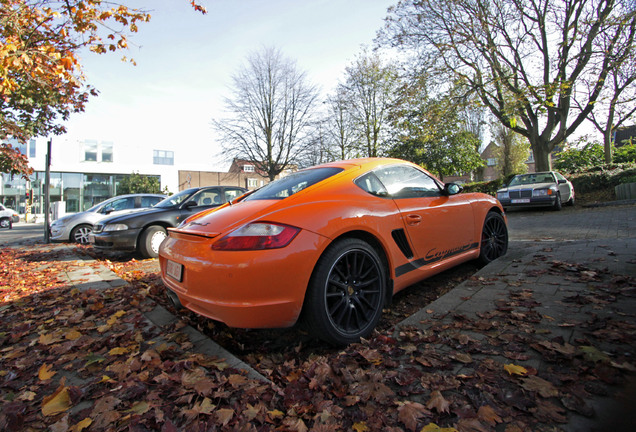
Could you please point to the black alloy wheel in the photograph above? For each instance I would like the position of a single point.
(346, 293)
(494, 238)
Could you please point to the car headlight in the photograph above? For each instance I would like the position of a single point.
(543, 192)
(116, 227)
(503, 195)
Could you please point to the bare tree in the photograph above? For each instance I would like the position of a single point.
(528, 60)
(269, 114)
(369, 91)
(340, 125)
(512, 151)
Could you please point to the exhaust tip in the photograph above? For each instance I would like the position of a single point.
(174, 299)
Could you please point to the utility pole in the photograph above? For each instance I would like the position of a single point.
(47, 194)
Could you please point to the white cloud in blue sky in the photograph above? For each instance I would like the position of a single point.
(185, 62)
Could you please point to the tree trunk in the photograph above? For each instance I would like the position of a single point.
(607, 142)
(542, 161)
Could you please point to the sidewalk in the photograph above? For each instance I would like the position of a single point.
(554, 308)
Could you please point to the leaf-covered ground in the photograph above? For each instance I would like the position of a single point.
(73, 359)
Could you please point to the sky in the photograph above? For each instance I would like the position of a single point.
(185, 62)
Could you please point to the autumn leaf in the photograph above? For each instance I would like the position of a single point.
(545, 388)
(488, 415)
(45, 372)
(594, 355)
(360, 427)
(438, 402)
(513, 369)
(224, 415)
(432, 427)
(72, 335)
(410, 412)
(139, 408)
(118, 351)
(58, 402)
(80, 426)
(275, 414)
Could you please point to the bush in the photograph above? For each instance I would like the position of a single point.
(602, 177)
(624, 154)
(574, 159)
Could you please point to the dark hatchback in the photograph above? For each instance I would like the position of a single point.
(144, 231)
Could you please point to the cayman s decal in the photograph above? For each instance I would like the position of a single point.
(432, 256)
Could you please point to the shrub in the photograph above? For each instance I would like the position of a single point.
(602, 177)
(623, 154)
(574, 159)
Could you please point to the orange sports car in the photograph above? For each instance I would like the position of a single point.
(330, 244)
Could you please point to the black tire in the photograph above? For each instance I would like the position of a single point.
(557, 203)
(80, 233)
(150, 240)
(346, 293)
(5, 222)
(571, 202)
(494, 238)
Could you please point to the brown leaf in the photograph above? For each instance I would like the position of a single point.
(45, 372)
(224, 415)
(410, 412)
(438, 402)
(545, 388)
(488, 415)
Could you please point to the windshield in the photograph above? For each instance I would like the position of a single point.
(176, 199)
(531, 178)
(293, 183)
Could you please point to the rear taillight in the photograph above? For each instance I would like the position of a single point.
(257, 236)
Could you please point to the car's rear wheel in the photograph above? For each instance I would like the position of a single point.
(80, 233)
(494, 238)
(346, 293)
(150, 241)
(557, 203)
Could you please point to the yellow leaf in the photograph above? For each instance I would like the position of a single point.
(48, 339)
(360, 427)
(139, 408)
(118, 351)
(45, 373)
(73, 335)
(56, 403)
(513, 369)
(275, 414)
(105, 378)
(432, 427)
(79, 427)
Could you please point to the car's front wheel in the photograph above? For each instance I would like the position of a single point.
(150, 241)
(80, 233)
(4, 222)
(494, 238)
(557, 203)
(346, 293)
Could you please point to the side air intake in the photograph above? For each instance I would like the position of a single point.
(400, 239)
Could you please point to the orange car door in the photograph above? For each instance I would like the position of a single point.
(438, 226)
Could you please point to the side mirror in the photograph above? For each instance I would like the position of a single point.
(562, 181)
(189, 204)
(452, 189)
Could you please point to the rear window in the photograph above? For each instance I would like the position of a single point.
(293, 183)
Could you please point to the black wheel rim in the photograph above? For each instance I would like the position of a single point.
(494, 238)
(353, 292)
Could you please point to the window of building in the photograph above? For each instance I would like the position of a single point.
(107, 151)
(248, 168)
(32, 148)
(491, 161)
(90, 151)
(252, 182)
(162, 157)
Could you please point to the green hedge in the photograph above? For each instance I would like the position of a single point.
(587, 180)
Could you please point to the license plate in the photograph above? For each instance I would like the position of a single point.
(521, 201)
(174, 270)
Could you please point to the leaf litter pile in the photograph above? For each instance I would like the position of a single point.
(74, 359)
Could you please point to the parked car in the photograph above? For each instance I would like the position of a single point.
(145, 230)
(542, 189)
(77, 227)
(334, 242)
(7, 217)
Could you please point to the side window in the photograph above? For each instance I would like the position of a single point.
(403, 181)
(371, 184)
(149, 201)
(208, 197)
(120, 204)
(230, 194)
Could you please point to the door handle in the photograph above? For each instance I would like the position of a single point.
(413, 219)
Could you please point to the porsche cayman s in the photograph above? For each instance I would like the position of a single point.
(329, 244)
